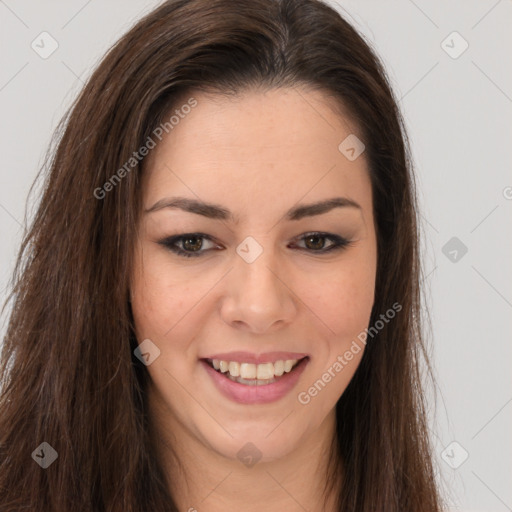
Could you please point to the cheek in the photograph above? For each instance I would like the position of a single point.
(344, 306)
(159, 297)
(343, 300)
(169, 303)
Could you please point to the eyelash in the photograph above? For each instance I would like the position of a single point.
(339, 243)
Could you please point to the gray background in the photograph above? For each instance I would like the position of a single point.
(458, 114)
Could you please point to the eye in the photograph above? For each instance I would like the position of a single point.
(190, 245)
(315, 242)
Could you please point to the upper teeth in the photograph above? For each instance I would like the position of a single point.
(254, 371)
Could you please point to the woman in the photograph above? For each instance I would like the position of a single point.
(217, 305)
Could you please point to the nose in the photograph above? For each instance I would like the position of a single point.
(258, 298)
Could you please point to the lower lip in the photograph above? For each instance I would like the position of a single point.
(263, 394)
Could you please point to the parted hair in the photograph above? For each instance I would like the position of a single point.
(68, 374)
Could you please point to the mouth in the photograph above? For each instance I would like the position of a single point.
(251, 374)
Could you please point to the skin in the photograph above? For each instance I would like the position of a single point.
(258, 155)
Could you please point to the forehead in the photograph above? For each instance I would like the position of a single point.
(257, 150)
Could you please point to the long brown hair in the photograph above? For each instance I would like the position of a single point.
(68, 373)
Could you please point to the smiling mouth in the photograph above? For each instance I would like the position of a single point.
(254, 374)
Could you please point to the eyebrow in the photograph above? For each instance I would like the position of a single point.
(214, 211)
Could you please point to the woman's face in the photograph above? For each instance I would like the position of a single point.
(258, 286)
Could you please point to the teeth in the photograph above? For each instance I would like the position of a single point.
(256, 373)
(288, 365)
(234, 369)
(265, 371)
(247, 371)
(250, 382)
(278, 368)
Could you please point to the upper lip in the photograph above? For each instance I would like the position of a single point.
(247, 357)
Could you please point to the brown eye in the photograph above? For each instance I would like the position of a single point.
(315, 242)
(192, 243)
